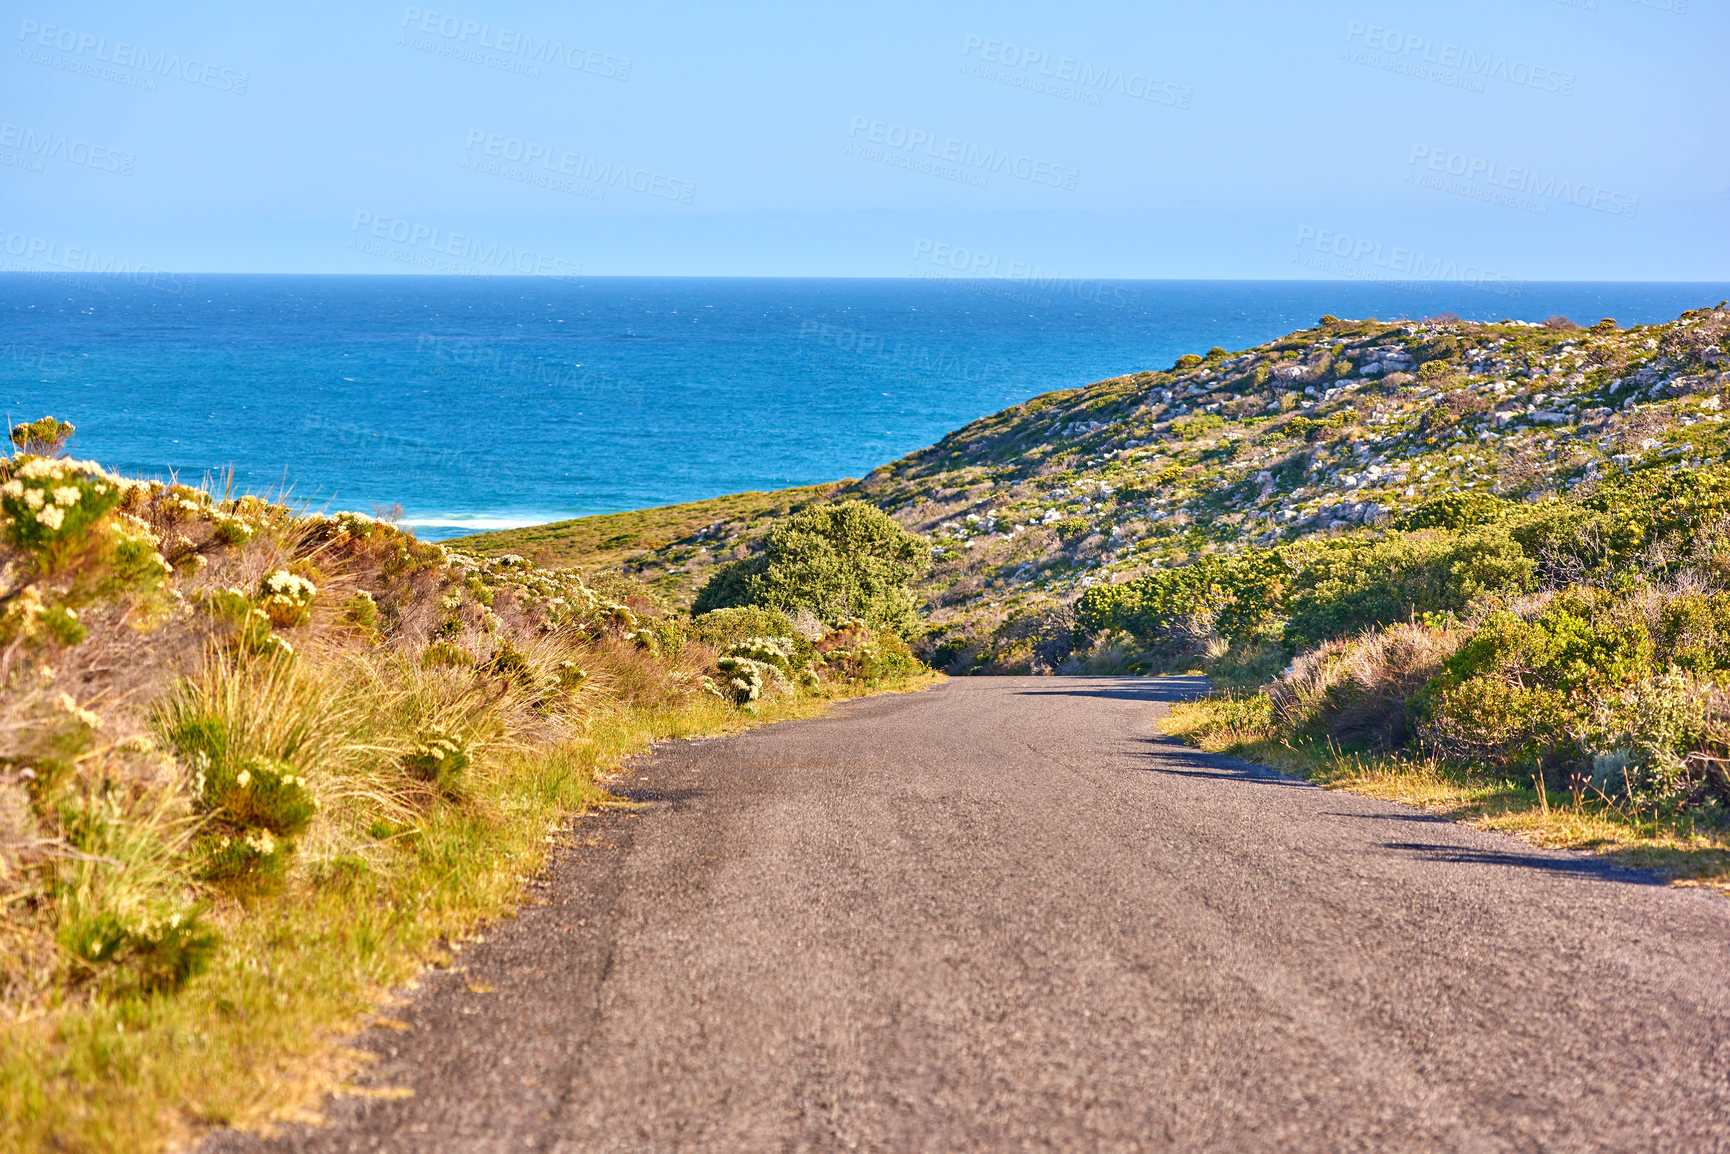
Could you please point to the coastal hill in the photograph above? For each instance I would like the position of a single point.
(1331, 430)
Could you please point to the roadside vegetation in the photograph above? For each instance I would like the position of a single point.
(1486, 566)
(257, 767)
(1560, 666)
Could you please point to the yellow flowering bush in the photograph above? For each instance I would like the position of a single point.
(287, 599)
(49, 504)
(439, 758)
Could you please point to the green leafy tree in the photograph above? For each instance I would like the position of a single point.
(833, 561)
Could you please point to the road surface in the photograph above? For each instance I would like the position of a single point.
(1006, 914)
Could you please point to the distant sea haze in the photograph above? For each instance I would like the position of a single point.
(487, 402)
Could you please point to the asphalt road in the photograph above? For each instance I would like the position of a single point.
(1006, 914)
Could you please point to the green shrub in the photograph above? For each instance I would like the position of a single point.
(1240, 598)
(63, 625)
(439, 758)
(720, 628)
(509, 664)
(1455, 511)
(257, 793)
(1362, 584)
(254, 854)
(832, 561)
(1072, 528)
(1315, 428)
(1189, 428)
(1186, 362)
(244, 728)
(1515, 689)
(1637, 740)
(361, 612)
(1693, 632)
(158, 958)
(246, 624)
(126, 562)
(46, 437)
(51, 505)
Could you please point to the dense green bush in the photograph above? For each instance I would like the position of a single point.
(1517, 690)
(45, 437)
(1693, 633)
(1356, 584)
(1455, 511)
(832, 561)
(1232, 599)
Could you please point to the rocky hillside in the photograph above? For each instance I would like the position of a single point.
(1322, 432)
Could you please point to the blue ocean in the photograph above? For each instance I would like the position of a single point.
(480, 403)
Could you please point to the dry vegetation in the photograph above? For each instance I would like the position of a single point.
(257, 767)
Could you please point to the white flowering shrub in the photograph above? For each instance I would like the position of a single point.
(741, 678)
(255, 807)
(287, 599)
(775, 651)
(357, 525)
(49, 504)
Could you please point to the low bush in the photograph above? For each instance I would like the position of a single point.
(721, 628)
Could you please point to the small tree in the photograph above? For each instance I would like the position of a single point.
(44, 438)
(833, 561)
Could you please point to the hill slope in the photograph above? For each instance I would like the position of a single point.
(1329, 429)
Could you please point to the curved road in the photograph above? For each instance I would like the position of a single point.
(1006, 914)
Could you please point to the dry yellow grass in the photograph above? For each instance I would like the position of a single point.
(1674, 847)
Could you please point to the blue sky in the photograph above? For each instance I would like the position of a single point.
(1528, 139)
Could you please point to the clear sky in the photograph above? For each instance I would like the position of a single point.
(1529, 139)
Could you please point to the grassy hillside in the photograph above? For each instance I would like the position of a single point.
(684, 540)
(1328, 431)
(1481, 567)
